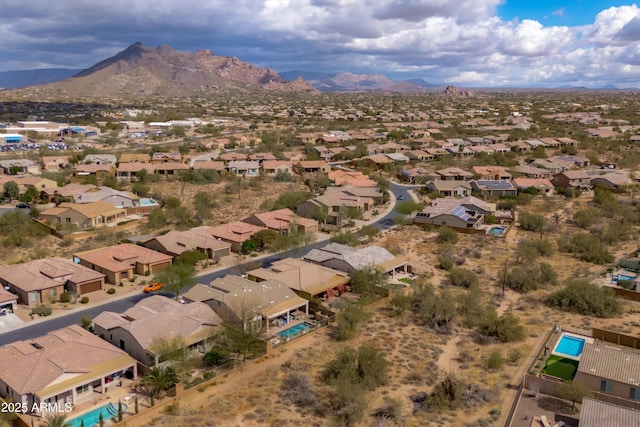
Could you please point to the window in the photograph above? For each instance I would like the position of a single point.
(121, 344)
(82, 389)
(634, 393)
(606, 386)
(68, 220)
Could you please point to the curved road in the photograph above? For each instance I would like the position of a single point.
(41, 327)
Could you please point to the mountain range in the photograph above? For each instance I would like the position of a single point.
(349, 82)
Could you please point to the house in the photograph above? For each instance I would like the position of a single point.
(613, 181)
(293, 156)
(450, 188)
(571, 161)
(577, 179)
(349, 259)
(170, 168)
(436, 152)
(497, 173)
(273, 167)
(121, 262)
(26, 182)
(233, 156)
(494, 188)
(249, 304)
(553, 167)
(354, 178)
(100, 171)
(415, 175)
(89, 215)
(466, 213)
(174, 157)
(378, 159)
(8, 301)
(323, 152)
(532, 171)
(72, 365)
(598, 413)
(176, 242)
(332, 204)
(36, 282)
(282, 220)
(419, 155)
(453, 174)
(397, 157)
(311, 166)
(134, 158)
(262, 157)
(209, 165)
(131, 171)
(301, 276)
(246, 168)
(55, 163)
(139, 329)
(100, 159)
(610, 370)
(307, 138)
(542, 185)
(19, 166)
(236, 233)
(116, 198)
(66, 193)
(482, 149)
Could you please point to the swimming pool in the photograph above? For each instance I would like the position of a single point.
(92, 418)
(497, 231)
(295, 330)
(569, 346)
(147, 202)
(626, 277)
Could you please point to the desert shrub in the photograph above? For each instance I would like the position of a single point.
(298, 390)
(66, 296)
(588, 248)
(215, 357)
(531, 249)
(463, 277)
(408, 206)
(400, 303)
(347, 322)
(348, 403)
(514, 355)
(505, 328)
(390, 410)
(364, 281)
(447, 235)
(530, 277)
(446, 395)
(283, 176)
(445, 263)
(84, 300)
(495, 361)
(365, 366)
(345, 238)
(584, 218)
(111, 291)
(615, 232)
(437, 310)
(41, 310)
(531, 222)
(585, 298)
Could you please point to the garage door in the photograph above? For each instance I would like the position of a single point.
(159, 267)
(90, 287)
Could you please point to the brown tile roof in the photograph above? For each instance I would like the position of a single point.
(93, 168)
(208, 165)
(171, 166)
(89, 210)
(275, 164)
(233, 156)
(610, 363)
(314, 164)
(160, 317)
(596, 413)
(70, 190)
(123, 257)
(46, 273)
(136, 167)
(30, 366)
(236, 231)
(281, 219)
(302, 276)
(134, 157)
(177, 242)
(262, 156)
(355, 178)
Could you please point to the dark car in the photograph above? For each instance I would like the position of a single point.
(23, 206)
(400, 197)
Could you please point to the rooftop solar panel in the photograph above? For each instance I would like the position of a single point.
(461, 212)
(495, 185)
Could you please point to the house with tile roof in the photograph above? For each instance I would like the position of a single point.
(36, 282)
(173, 157)
(542, 185)
(66, 193)
(176, 242)
(453, 174)
(55, 163)
(69, 365)
(139, 329)
(29, 181)
(121, 262)
(100, 171)
(282, 220)
(598, 413)
(492, 187)
(20, 166)
(116, 198)
(89, 215)
(235, 233)
(272, 167)
(249, 304)
(302, 276)
(354, 178)
(610, 370)
(349, 259)
(333, 203)
(449, 188)
(170, 168)
(466, 213)
(311, 166)
(131, 171)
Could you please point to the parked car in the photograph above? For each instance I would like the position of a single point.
(400, 197)
(153, 286)
(23, 206)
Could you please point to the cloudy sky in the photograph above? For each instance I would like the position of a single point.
(549, 43)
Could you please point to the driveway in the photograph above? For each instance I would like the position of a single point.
(9, 322)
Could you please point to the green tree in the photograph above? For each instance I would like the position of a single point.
(204, 203)
(265, 238)
(140, 189)
(447, 235)
(171, 350)
(177, 277)
(347, 322)
(190, 257)
(11, 190)
(531, 222)
(159, 380)
(31, 194)
(156, 219)
(249, 246)
(238, 342)
(56, 420)
(463, 277)
(408, 206)
(364, 281)
(505, 328)
(586, 298)
(584, 218)
(574, 391)
(345, 238)
(369, 231)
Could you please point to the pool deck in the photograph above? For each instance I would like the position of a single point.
(586, 339)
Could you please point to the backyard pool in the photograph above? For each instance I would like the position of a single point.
(92, 418)
(626, 277)
(569, 346)
(147, 202)
(497, 231)
(300, 328)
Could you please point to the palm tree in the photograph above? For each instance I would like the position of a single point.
(56, 420)
(160, 379)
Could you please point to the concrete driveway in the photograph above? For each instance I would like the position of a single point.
(9, 322)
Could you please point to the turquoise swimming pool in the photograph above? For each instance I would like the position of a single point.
(147, 202)
(295, 330)
(92, 418)
(570, 346)
(497, 231)
(626, 277)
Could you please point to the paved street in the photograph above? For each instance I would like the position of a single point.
(42, 326)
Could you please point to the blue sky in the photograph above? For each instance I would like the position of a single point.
(474, 43)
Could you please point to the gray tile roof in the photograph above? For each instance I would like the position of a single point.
(595, 413)
(611, 363)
